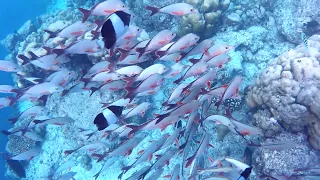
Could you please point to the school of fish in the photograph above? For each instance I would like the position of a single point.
(185, 108)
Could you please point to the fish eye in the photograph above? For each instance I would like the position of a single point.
(57, 88)
(123, 6)
(227, 47)
(69, 73)
(191, 9)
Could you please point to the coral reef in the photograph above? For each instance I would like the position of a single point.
(289, 88)
(285, 162)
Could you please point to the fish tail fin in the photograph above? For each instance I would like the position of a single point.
(86, 13)
(165, 103)
(124, 53)
(171, 106)
(48, 49)
(141, 51)
(125, 169)
(94, 89)
(13, 100)
(190, 160)
(161, 53)
(99, 23)
(99, 156)
(51, 34)
(112, 66)
(25, 59)
(178, 80)
(68, 152)
(129, 81)
(153, 10)
(86, 81)
(58, 52)
(43, 100)
(37, 121)
(193, 61)
(65, 92)
(7, 133)
(13, 120)
(160, 118)
(95, 34)
(130, 93)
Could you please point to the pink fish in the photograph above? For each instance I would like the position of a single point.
(175, 173)
(61, 78)
(27, 134)
(5, 102)
(216, 50)
(84, 46)
(201, 48)
(148, 152)
(201, 149)
(153, 69)
(232, 90)
(151, 125)
(148, 84)
(121, 102)
(104, 8)
(130, 70)
(72, 31)
(176, 57)
(181, 110)
(59, 121)
(103, 66)
(106, 77)
(177, 9)
(149, 92)
(50, 67)
(47, 60)
(110, 87)
(28, 113)
(125, 40)
(133, 59)
(9, 66)
(41, 89)
(219, 61)
(113, 86)
(124, 149)
(176, 93)
(28, 155)
(157, 42)
(141, 110)
(245, 130)
(204, 80)
(182, 44)
(196, 69)
(88, 148)
(176, 69)
(191, 95)
(163, 160)
(7, 88)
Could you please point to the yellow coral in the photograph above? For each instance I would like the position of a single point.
(210, 5)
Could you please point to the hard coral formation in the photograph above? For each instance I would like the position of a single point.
(289, 90)
(206, 21)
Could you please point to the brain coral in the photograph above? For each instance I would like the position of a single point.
(289, 89)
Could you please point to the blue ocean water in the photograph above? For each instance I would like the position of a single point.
(13, 14)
